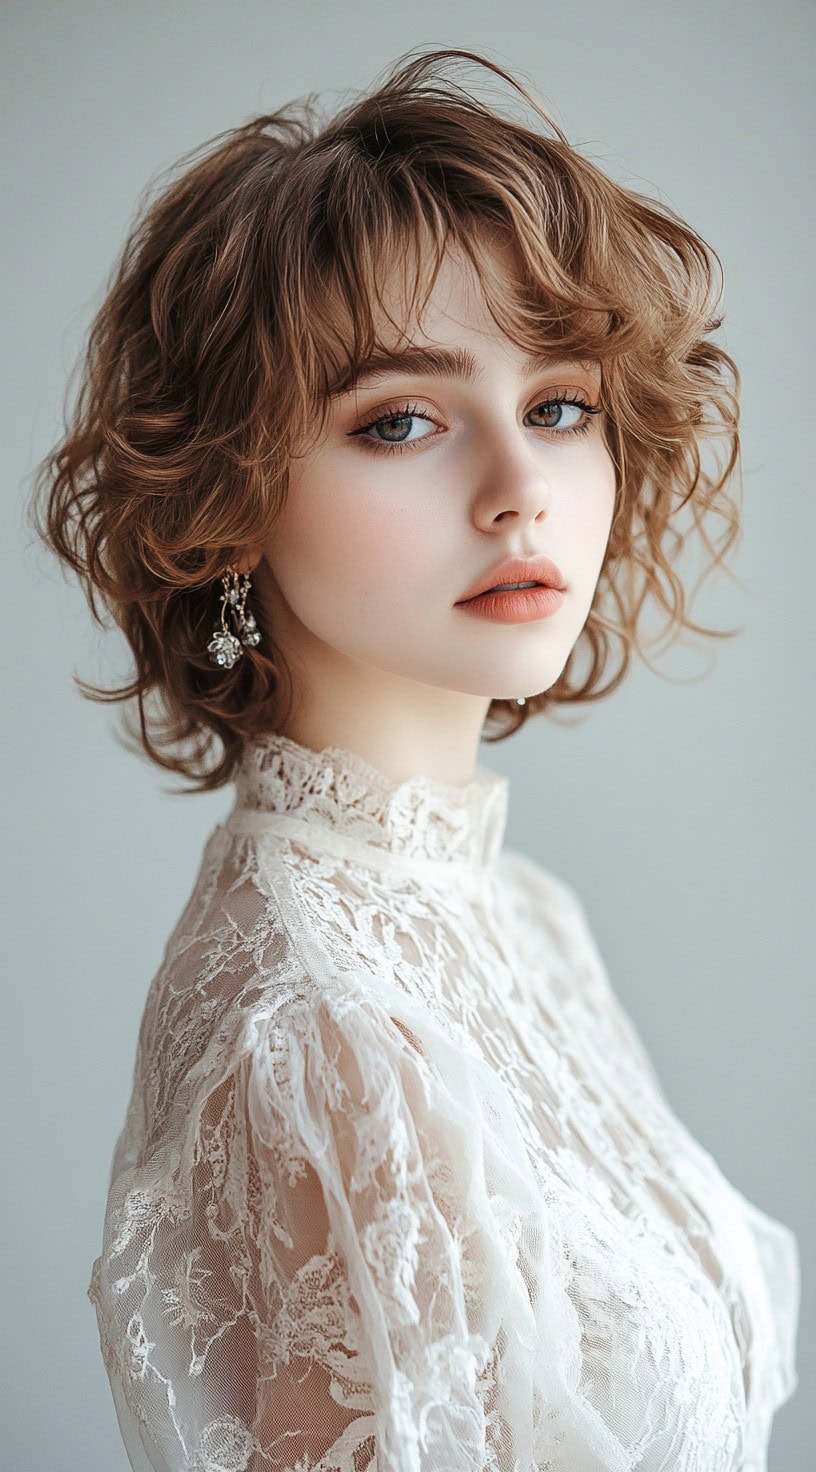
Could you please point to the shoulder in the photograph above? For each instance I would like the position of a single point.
(550, 896)
(545, 902)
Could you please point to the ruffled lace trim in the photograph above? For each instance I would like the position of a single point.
(333, 788)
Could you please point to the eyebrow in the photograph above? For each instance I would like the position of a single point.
(432, 363)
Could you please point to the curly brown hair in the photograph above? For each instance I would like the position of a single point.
(219, 339)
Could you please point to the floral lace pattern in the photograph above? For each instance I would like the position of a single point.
(397, 1187)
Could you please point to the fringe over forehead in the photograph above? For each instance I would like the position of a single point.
(398, 178)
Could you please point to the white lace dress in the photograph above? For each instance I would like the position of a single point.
(397, 1188)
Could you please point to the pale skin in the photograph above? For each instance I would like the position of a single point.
(363, 568)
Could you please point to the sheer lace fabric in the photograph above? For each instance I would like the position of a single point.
(397, 1187)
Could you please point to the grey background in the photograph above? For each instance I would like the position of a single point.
(682, 812)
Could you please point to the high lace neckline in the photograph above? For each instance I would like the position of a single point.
(336, 794)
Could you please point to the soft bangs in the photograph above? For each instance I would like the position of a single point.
(384, 232)
(349, 306)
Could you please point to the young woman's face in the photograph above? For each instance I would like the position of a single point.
(418, 487)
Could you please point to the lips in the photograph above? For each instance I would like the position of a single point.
(540, 570)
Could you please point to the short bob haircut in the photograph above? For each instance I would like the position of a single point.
(246, 292)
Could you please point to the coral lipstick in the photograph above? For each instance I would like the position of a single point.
(515, 606)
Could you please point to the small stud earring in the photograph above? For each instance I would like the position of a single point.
(520, 700)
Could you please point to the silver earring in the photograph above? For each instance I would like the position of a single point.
(520, 700)
(224, 647)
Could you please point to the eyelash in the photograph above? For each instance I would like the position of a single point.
(411, 411)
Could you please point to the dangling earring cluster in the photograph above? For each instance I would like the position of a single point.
(225, 647)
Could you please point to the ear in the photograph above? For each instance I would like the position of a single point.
(248, 560)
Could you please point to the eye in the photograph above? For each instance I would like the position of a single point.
(557, 412)
(395, 426)
(395, 423)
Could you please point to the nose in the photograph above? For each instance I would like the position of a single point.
(513, 479)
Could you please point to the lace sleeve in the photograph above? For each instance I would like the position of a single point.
(355, 1267)
(368, 1279)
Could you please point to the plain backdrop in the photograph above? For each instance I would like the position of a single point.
(681, 809)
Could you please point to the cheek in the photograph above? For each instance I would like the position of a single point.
(584, 520)
(591, 506)
(349, 538)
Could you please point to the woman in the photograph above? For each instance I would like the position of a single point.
(397, 1186)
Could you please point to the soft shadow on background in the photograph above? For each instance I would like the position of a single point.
(683, 813)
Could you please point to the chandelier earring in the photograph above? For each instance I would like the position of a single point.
(225, 647)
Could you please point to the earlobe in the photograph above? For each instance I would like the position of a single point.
(248, 560)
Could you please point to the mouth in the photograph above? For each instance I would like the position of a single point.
(509, 588)
(517, 575)
(515, 605)
(506, 588)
